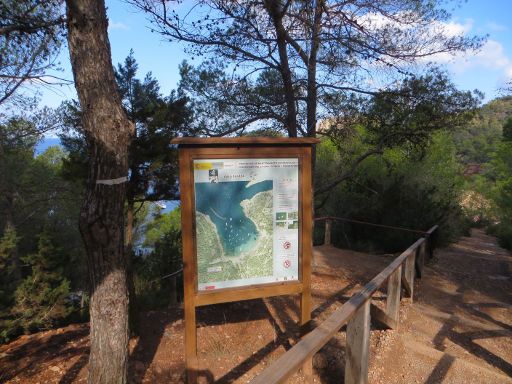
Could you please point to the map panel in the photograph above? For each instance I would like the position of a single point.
(247, 221)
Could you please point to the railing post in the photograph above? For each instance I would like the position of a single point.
(420, 258)
(358, 346)
(394, 291)
(409, 274)
(174, 291)
(327, 237)
(431, 239)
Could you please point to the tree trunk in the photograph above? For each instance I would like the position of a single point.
(275, 12)
(108, 133)
(312, 95)
(312, 92)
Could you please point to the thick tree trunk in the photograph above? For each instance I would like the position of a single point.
(108, 132)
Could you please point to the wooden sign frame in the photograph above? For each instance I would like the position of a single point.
(191, 149)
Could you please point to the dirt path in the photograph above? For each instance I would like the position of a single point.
(459, 329)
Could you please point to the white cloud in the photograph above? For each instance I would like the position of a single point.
(495, 27)
(453, 28)
(491, 57)
(113, 25)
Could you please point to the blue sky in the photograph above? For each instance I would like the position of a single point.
(486, 70)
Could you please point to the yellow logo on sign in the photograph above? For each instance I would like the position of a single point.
(203, 166)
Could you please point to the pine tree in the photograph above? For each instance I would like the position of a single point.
(41, 298)
(8, 248)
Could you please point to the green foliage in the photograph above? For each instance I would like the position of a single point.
(404, 117)
(478, 139)
(41, 298)
(417, 108)
(8, 268)
(404, 188)
(507, 130)
(228, 103)
(41, 252)
(162, 225)
(501, 171)
(158, 119)
(163, 235)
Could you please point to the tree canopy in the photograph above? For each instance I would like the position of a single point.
(306, 53)
(31, 32)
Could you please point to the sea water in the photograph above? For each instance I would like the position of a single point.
(222, 203)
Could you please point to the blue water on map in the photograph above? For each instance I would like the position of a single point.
(221, 202)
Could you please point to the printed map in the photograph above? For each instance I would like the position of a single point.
(235, 226)
(246, 221)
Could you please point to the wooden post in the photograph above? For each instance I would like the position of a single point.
(307, 254)
(409, 274)
(358, 346)
(420, 259)
(174, 293)
(191, 343)
(394, 290)
(327, 236)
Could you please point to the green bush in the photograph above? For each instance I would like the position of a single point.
(405, 187)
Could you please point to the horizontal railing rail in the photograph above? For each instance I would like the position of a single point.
(356, 314)
(333, 218)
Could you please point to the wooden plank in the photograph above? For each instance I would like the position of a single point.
(188, 269)
(292, 360)
(306, 251)
(358, 346)
(394, 292)
(212, 152)
(227, 295)
(380, 318)
(245, 140)
(409, 275)
(327, 236)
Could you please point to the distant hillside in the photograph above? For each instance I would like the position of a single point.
(45, 143)
(477, 141)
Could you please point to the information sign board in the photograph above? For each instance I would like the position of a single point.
(247, 221)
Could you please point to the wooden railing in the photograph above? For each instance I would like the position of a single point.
(356, 313)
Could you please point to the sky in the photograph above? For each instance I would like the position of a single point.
(486, 70)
